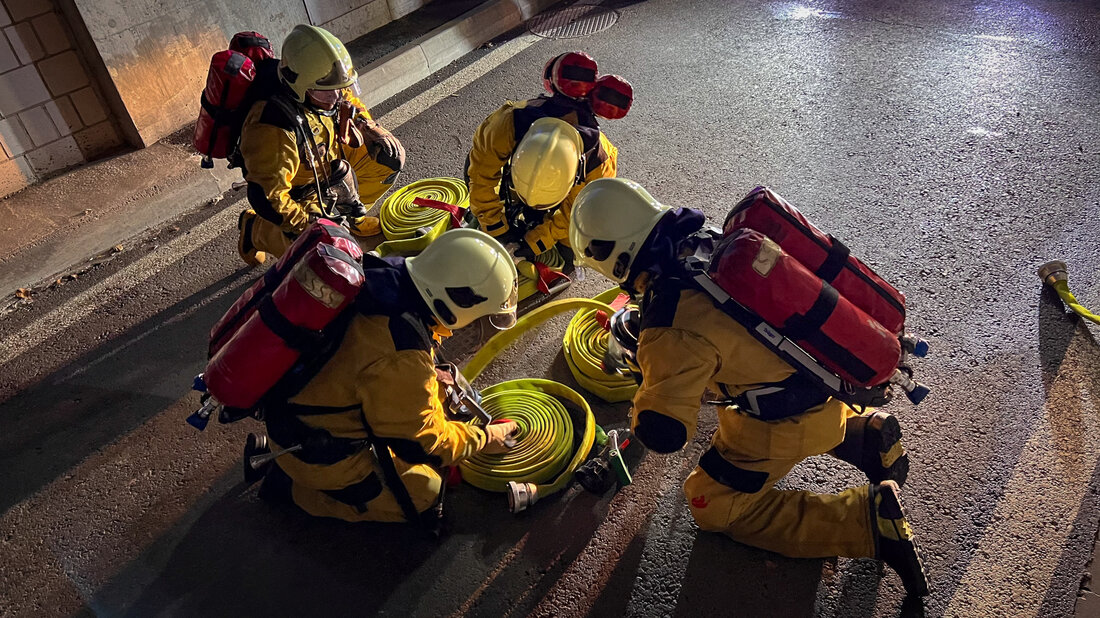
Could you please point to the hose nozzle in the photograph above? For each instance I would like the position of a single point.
(1053, 272)
(521, 496)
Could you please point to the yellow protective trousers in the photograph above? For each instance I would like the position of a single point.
(799, 524)
(374, 180)
(422, 482)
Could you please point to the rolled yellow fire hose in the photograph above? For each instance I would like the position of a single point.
(585, 343)
(528, 275)
(409, 228)
(1056, 275)
(546, 427)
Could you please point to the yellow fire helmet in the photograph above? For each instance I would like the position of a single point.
(611, 219)
(314, 59)
(465, 275)
(547, 163)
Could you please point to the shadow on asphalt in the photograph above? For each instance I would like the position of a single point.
(784, 582)
(85, 405)
(1077, 364)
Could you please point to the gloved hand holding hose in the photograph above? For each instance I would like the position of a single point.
(500, 436)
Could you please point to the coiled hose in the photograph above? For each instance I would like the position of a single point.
(528, 275)
(584, 344)
(409, 228)
(547, 429)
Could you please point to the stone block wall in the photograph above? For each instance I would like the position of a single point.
(52, 114)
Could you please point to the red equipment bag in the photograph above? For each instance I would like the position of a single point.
(223, 103)
(765, 211)
(284, 318)
(759, 275)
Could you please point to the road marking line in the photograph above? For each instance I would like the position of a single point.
(1041, 501)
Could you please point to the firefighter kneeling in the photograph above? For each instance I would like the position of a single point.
(312, 135)
(380, 388)
(686, 345)
(530, 158)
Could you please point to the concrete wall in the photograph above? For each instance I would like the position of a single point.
(52, 113)
(156, 52)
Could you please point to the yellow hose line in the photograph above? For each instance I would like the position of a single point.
(1062, 287)
(546, 427)
(544, 441)
(401, 219)
(504, 338)
(585, 343)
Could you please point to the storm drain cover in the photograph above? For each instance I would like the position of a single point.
(573, 21)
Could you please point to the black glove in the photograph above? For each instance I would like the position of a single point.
(524, 251)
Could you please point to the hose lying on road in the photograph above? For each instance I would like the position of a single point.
(1056, 275)
(410, 228)
(536, 466)
(584, 344)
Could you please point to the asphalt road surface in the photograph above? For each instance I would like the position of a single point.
(954, 145)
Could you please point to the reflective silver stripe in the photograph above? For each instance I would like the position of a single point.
(828, 378)
(750, 397)
(712, 288)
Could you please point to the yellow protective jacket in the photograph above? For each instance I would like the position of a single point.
(688, 346)
(277, 164)
(381, 376)
(494, 142)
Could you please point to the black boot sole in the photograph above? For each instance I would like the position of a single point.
(885, 432)
(902, 556)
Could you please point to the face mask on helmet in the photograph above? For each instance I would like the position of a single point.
(611, 97)
(572, 74)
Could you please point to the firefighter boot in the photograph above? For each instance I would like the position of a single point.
(872, 443)
(365, 226)
(248, 251)
(895, 543)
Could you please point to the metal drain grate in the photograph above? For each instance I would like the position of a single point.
(573, 21)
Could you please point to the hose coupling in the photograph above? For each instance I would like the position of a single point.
(1054, 271)
(521, 496)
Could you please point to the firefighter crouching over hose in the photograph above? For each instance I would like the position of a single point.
(687, 345)
(381, 385)
(530, 158)
(314, 125)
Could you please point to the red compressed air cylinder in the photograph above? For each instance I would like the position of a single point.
(757, 273)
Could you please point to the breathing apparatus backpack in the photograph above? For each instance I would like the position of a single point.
(237, 78)
(801, 293)
(283, 329)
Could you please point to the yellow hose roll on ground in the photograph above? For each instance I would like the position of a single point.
(401, 218)
(528, 276)
(544, 441)
(584, 344)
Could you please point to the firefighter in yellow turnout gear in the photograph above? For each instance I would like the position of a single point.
(297, 129)
(686, 346)
(525, 170)
(381, 385)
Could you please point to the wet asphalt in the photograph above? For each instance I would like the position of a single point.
(954, 146)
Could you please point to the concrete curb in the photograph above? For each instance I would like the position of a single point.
(56, 253)
(404, 67)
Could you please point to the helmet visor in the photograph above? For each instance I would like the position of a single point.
(506, 318)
